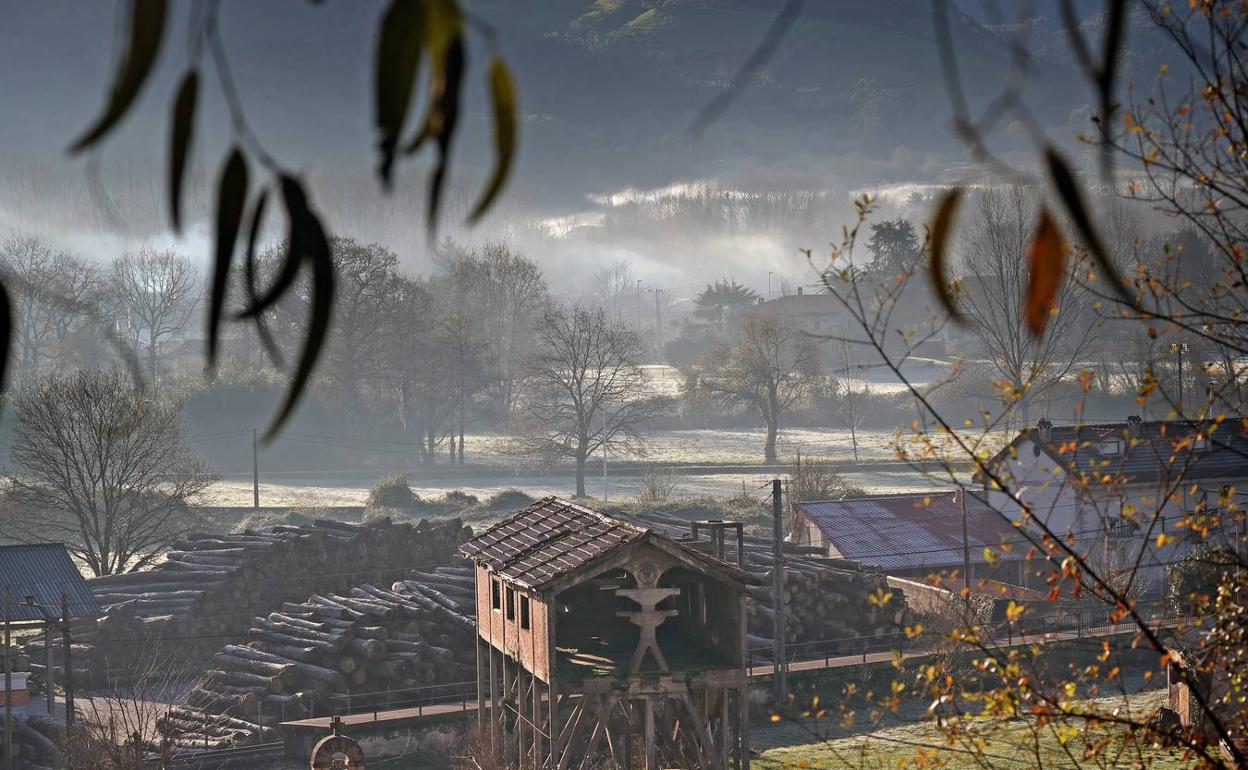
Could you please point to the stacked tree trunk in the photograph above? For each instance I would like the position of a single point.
(825, 600)
(38, 742)
(368, 647)
(210, 587)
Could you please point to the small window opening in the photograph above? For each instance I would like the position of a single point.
(496, 595)
(1111, 447)
(511, 604)
(524, 612)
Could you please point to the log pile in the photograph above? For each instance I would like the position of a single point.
(37, 742)
(210, 587)
(368, 647)
(824, 599)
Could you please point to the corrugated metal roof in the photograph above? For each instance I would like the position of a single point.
(1161, 450)
(553, 538)
(44, 571)
(909, 531)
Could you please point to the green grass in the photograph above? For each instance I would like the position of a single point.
(1006, 745)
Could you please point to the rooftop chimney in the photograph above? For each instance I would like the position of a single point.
(1045, 429)
(1135, 425)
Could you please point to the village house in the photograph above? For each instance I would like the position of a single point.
(914, 534)
(1116, 487)
(599, 638)
(823, 315)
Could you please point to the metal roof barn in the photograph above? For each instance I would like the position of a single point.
(44, 571)
(909, 531)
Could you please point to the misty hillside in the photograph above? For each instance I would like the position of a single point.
(608, 88)
(613, 86)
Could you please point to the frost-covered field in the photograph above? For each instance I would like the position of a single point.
(720, 446)
(353, 492)
(687, 447)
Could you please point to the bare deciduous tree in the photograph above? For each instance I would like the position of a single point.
(584, 390)
(121, 721)
(51, 299)
(422, 406)
(154, 294)
(615, 290)
(507, 292)
(996, 280)
(103, 467)
(770, 368)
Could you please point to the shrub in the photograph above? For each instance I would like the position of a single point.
(1196, 576)
(818, 480)
(392, 492)
(460, 498)
(508, 499)
(657, 486)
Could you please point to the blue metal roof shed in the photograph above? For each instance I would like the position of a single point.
(44, 571)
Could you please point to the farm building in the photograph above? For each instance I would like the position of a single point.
(38, 576)
(912, 534)
(42, 587)
(1115, 487)
(597, 635)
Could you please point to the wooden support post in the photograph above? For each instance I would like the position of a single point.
(743, 717)
(47, 668)
(629, 734)
(68, 661)
(538, 722)
(480, 687)
(648, 726)
(519, 706)
(504, 700)
(494, 716)
(779, 678)
(8, 680)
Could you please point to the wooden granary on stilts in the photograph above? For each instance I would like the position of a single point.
(599, 639)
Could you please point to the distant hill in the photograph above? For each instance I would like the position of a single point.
(610, 86)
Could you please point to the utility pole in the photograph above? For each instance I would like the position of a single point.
(8, 680)
(658, 321)
(69, 662)
(658, 318)
(255, 470)
(780, 678)
(638, 305)
(966, 545)
(604, 455)
(1179, 348)
(47, 663)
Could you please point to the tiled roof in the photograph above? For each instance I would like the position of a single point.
(1154, 451)
(553, 538)
(44, 571)
(546, 540)
(909, 531)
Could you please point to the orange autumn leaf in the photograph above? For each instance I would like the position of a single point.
(1048, 265)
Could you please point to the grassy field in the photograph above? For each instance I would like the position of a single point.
(1007, 745)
